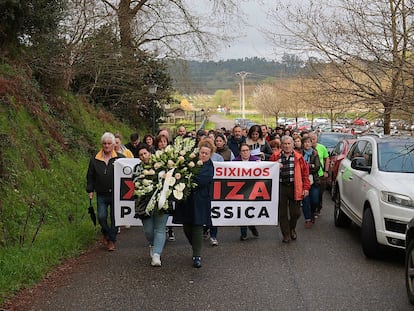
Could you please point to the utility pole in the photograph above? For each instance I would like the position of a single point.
(242, 75)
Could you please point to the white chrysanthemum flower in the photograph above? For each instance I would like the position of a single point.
(151, 172)
(158, 153)
(182, 152)
(177, 176)
(170, 163)
(199, 162)
(191, 164)
(192, 155)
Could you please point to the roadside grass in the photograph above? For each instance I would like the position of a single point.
(24, 266)
(44, 154)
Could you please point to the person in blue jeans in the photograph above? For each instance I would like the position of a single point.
(310, 203)
(100, 179)
(154, 225)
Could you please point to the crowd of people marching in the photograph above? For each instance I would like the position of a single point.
(303, 166)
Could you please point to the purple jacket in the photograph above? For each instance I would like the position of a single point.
(252, 158)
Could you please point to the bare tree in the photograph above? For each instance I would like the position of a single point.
(267, 100)
(173, 27)
(368, 42)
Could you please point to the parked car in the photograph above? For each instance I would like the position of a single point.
(330, 139)
(409, 261)
(374, 189)
(338, 127)
(337, 154)
(360, 121)
(322, 127)
(320, 120)
(346, 121)
(303, 126)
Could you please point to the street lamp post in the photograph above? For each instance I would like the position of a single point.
(152, 89)
(242, 75)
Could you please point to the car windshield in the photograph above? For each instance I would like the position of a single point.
(396, 156)
(329, 141)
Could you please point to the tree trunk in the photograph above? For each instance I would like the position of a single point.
(387, 119)
(125, 18)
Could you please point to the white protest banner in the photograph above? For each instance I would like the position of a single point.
(243, 193)
(124, 203)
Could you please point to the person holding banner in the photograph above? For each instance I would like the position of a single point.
(154, 224)
(100, 179)
(258, 145)
(245, 155)
(294, 185)
(195, 212)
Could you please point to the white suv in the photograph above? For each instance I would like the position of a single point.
(375, 190)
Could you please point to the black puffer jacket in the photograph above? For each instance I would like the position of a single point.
(100, 176)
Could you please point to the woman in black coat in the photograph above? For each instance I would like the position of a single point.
(195, 212)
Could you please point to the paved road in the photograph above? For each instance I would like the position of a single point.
(324, 269)
(221, 122)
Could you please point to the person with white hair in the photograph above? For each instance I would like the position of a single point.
(100, 179)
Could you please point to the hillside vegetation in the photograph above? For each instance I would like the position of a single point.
(46, 142)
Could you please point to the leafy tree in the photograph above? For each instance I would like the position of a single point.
(29, 23)
(223, 98)
(120, 83)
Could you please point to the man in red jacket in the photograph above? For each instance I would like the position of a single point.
(294, 185)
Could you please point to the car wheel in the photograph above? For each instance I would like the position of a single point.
(333, 190)
(370, 245)
(340, 218)
(409, 271)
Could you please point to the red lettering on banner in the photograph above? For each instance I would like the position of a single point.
(234, 193)
(216, 190)
(242, 172)
(130, 193)
(259, 191)
(242, 190)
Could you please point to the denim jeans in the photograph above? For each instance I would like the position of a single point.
(311, 203)
(154, 229)
(103, 202)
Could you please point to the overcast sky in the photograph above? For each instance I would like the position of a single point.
(252, 42)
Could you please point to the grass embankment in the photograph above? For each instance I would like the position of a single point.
(45, 145)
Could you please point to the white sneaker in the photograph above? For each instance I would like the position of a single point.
(156, 260)
(213, 242)
(151, 250)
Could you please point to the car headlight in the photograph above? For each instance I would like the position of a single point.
(397, 199)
